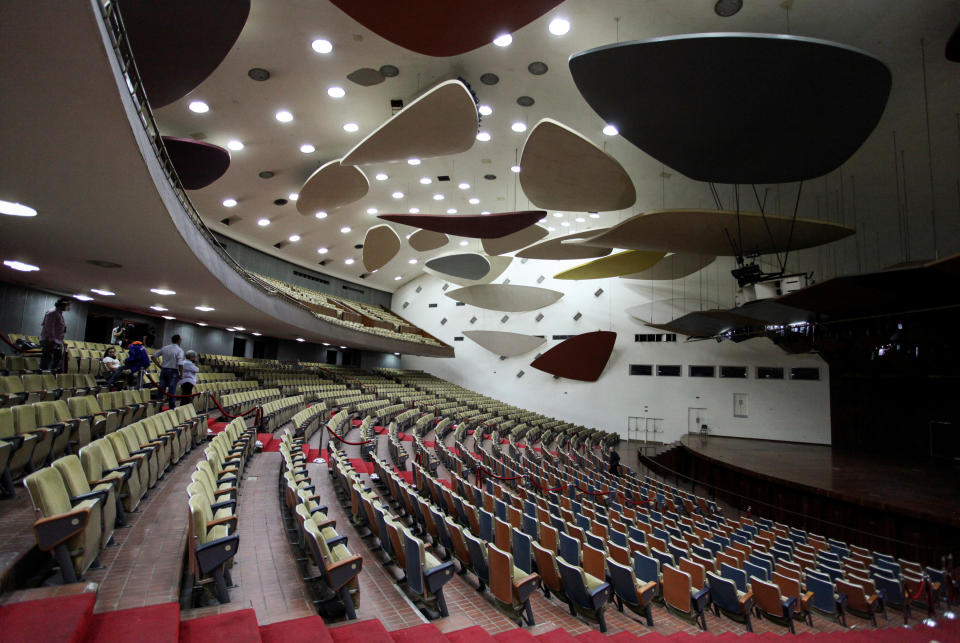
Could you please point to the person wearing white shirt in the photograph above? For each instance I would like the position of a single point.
(170, 361)
(190, 370)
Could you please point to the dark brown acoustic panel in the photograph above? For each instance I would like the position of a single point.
(198, 164)
(441, 27)
(579, 358)
(477, 226)
(178, 43)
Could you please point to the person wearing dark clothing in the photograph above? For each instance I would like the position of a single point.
(614, 462)
(51, 337)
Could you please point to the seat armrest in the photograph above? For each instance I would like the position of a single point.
(99, 495)
(746, 598)
(52, 531)
(216, 552)
(223, 521)
(337, 540)
(224, 504)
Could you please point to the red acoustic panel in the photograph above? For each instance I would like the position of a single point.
(198, 164)
(579, 358)
(478, 226)
(442, 27)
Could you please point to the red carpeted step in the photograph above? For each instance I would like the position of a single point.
(469, 635)
(159, 623)
(268, 442)
(430, 444)
(555, 636)
(360, 466)
(31, 620)
(369, 631)
(298, 630)
(313, 454)
(216, 427)
(406, 437)
(516, 635)
(426, 633)
(380, 430)
(593, 636)
(356, 423)
(406, 476)
(238, 626)
(630, 637)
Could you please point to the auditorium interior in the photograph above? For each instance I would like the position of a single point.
(546, 320)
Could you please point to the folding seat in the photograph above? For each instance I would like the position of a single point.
(137, 436)
(77, 429)
(696, 571)
(789, 587)
(166, 423)
(75, 479)
(662, 557)
(734, 574)
(857, 600)
(755, 571)
(33, 384)
(894, 594)
(157, 433)
(726, 598)
(87, 407)
(131, 400)
(212, 544)
(25, 422)
(824, 600)
(68, 527)
(681, 598)
(510, 585)
(225, 481)
(12, 392)
(426, 575)
(197, 422)
(100, 465)
(19, 448)
(143, 469)
(772, 604)
(586, 594)
(338, 566)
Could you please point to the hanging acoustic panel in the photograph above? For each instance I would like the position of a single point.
(441, 27)
(562, 170)
(477, 226)
(506, 298)
(674, 266)
(504, 343)
(664, 310)
(514, 241)
(331, 186)
(468, 265)
(717, 232)
(582, 357)
(780, 108)
(558, 249)
(425, 240)
(198, 164)
(442, 121)
(380, 245)
(622, 263)
(178, 43)
(497, 267)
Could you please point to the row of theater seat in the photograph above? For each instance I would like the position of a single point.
(25, 389)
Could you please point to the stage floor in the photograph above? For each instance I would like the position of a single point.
(926, 488)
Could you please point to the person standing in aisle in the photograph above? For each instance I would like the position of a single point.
(190, 370)
(169, 360)
(51, 336)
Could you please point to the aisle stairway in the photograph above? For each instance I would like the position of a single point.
(71, 619)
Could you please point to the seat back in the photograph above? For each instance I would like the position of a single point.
(522, 555)
(478, 558)
(501, 574)
(723, 592)
(823, 598)
(738, 577)
(676, 589)
(755, 571)
(569, 549)
(695, 570)
(646, 568)
(856, 598)
(766, 596)
(547, 567)
(594, 562)
(573, 583)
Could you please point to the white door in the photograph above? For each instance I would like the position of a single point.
(696, 418)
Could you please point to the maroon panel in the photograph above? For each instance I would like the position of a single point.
(478, 226)
(442, 27)
(178, 43)
(579, 358)
(198, 164)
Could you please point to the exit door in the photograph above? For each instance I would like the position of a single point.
(696, 418)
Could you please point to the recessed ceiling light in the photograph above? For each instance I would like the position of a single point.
(307, 148)
(558, 214)
(83, 297)
(199, 107)
(483, 136)
(348, 261)
(322, 46)
(397, 195)
(105, 293)
(398, 278)
(565, 224)
(464, 186)
(451, 210)
(610, 130)
(345, 229)
(323, 251)
(159, 308)
(425, 180)
(256, 334)
(229, 203)
(413, 161)
(438, 197)
(16, 209)
(397, 354)
(283, 116)
(594, 215)
(503, 40)
(411, 261)
(300, 339)
(515, 169)
(229, 330)
(414, 210)
(559, 26)
(293, 238)
(325, 343)
(162, 291)
(350, 127)
(263, 222)
(381, 176)
(239, 328)
(201, 323)
(485, 212)
(519, 127)
(336, 92)
(372, 210)
(293, 196)
(344, 347)
(203, 309)
(236, 146)
(169, 317)
(485, 110)
(464, 242)
(320, 214)
(473, 200)
(580, 220)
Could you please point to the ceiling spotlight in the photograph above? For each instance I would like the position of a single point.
(159, 308)
(263, 222)
(473, 200)
(483, 136)
(381, 176)
(307, 148)
(485, 110)
(610, 130)
(413, 161)
(236, 146)
(397, 195)
(336, 92)
(325, 343)
(559, 26)
(16, 209)
(411, 261)
(372, 210)
(727, 8)
(293, 196)
(229, 203)
(485, 212)
(558, 214)
(204, 309)
(344, 347)
(83, 297)
(580, 220)
(519, 127)
(199, 107)
(283, 116)
(201, 323)
(105, 293)
(322, 46)
(594, 215)
(515, 169)
(256, 334)
(162, 291)
(300, 339)
(345, 229)
(323, 251)
(239, 328)
(426, 180)
(293, 238)
(320, 214)
(169, 317)
(348, 261)
(464, 242)
(451, 210)
(438, 197)
(350, 127)
(398, 278)
(464, 186)
(503, 40)
(414, 210)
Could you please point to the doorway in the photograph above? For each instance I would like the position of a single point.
(696, 418)
(239, 347)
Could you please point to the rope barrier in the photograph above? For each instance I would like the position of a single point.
(342, 441)
(23, 350)
(258, 418)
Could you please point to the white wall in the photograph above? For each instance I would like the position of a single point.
(777, 409)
